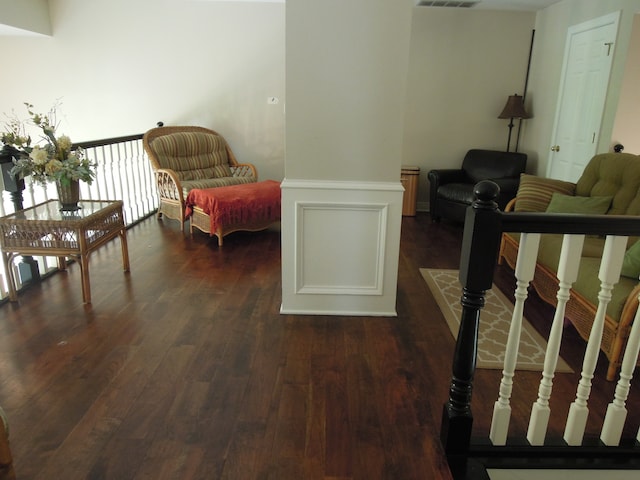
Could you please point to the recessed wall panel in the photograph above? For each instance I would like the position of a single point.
(341, 248)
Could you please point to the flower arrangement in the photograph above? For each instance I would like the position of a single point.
(54, 160)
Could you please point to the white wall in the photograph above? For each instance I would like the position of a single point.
(21, 17)
(346, 76)
(552, 24)
(120, 66)
(627, 123)
(463, 66)
(463, 62)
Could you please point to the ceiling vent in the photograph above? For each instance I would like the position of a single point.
(446, 3)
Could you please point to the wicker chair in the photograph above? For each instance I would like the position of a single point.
(188, 157)
(6, 460)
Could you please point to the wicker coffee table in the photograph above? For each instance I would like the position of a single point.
(44, 230)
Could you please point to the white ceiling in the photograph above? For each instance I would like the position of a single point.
(521, 5)
(529, 5)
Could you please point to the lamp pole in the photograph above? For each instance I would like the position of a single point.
(509, 138)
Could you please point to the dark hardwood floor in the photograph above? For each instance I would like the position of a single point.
(185, 369)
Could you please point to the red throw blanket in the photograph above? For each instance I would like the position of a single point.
(237, 204)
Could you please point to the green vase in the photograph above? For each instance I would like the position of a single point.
(68, 195)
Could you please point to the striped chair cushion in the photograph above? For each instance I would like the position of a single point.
(193, 155)
(189, 185)
(534, 193)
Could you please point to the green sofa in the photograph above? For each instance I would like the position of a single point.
(610, 184)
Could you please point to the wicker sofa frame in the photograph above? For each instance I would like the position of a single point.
(579, 311)
(171, 191)
(200, 220)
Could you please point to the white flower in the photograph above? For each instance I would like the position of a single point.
(54, 160)
(39, 156)
(53, 166)
(64, 143)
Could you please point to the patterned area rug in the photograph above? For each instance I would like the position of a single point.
(495, 319)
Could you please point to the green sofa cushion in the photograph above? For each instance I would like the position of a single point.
(616, 175)
(612, 175)
(551, 244)
(534, 193)
(573, 204)
(631, 263)
(587, 283)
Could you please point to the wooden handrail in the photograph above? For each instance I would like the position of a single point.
(108, 141)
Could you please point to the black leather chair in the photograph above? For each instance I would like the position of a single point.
(451, 190)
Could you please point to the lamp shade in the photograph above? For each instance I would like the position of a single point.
(514, 108)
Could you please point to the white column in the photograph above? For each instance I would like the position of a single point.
(346, 70)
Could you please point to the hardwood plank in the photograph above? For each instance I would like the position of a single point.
(185, 369)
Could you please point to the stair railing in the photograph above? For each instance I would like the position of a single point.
(469, 456)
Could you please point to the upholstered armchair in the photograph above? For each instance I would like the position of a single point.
(184, 158)
(451, 190)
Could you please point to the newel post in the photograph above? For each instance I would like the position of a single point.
(28, 267)
(480, 244)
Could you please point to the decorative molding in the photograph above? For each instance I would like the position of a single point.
(340, 247)
(343, 185)
(340, 312)
(372, 262)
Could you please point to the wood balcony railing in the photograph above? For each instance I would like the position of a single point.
(123, 173)
(470, 456)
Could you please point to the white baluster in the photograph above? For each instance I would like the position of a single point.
(120, 165)
(112, 192)
(147, 192)
(617, 411)
(525, 268)
(133, 187)
(609, 275)
(135, 192)
(4, 199)
(567, 274)
(102, 179)
(90, 153)
(4, 285)
(99, 187)
(29, 194)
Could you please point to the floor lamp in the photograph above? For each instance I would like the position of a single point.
(513, 109)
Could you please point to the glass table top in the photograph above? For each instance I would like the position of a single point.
(50, 211)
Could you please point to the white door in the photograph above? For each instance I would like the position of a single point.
(585, 77)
